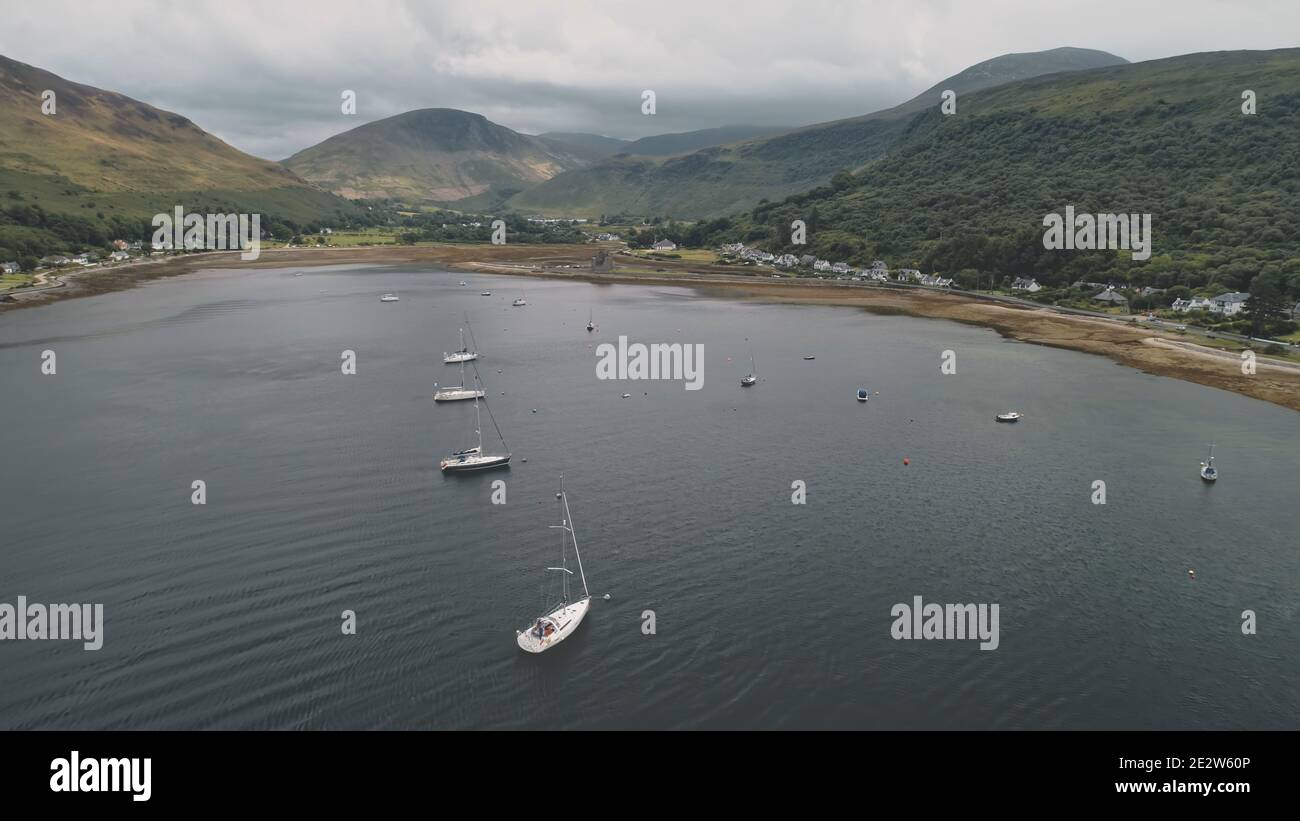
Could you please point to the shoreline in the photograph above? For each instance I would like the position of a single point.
(1142, 348)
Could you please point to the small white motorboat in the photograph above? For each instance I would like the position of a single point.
(389, 298)
(486, 293)
(518, 303)
(462, 282)
(862, 395)
(809, 358)
(1010, 416)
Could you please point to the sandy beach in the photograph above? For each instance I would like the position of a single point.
(1143, 348)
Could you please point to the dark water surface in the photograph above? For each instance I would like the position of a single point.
(324, 495)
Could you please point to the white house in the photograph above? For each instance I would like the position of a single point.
(1229, 304)
(1196, 303)
(665, 245)
(822, 265)
(1026, 284)
(119, 256)
(9, 268)
(787, 261)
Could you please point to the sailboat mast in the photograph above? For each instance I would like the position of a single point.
(569, 521)
(478, 426)
(564, 559)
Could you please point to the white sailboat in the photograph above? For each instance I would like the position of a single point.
(474, 458)
(462, 355)
(751, 379)
(457, 392)
(519, 303)
(591, 326)
(1209, 472)
(559, 623)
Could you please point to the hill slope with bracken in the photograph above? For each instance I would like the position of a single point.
(103, 163)
(728, 178)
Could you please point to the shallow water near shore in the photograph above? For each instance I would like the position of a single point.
(324, 495)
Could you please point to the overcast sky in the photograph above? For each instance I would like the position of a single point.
(267, 76)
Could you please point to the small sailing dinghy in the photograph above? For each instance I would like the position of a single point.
(1209, 472)
(862, 395)
(748, 381)
(590, 325)
(462, 355)
(561, 620)
(1010, 416)
(389, 298)
(474, 458)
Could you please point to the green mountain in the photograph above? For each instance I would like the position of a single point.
(666, 145)
(1169, 138)
(728, 178)
(593, 145)
(102, 163)
(433, 155)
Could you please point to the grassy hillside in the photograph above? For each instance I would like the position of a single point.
(433, 155)
(102, 164)
(968, 192)
(725, 179)
(667, 145)
(593, 145)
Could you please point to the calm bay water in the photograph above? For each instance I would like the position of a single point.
(324, 495)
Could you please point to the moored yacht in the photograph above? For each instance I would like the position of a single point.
(388, 298)
(474, 458)
(462, 355)
(561, 620)
(1209, 472)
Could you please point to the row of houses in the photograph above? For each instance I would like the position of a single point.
(878, 272)
(1227, 304)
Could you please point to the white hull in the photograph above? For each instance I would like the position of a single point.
(455, 394)
(458, 357)
(479, 462)
(564, 620)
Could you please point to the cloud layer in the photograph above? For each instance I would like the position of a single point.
(267, 77)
